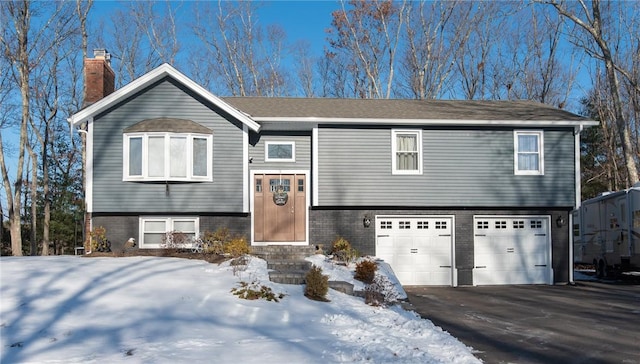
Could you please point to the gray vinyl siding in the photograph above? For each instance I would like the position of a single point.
(460, 168)
(165, 99)
(302, 152)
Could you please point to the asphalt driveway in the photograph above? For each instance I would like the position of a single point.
(591, 322)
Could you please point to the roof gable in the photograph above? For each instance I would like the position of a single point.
(148, 79)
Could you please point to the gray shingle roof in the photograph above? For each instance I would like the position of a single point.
(268, 107)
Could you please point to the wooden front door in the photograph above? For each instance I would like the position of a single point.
(280, 207)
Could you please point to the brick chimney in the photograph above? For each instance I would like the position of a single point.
(99, 78)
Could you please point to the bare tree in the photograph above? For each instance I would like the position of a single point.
(597, 37)
(532, 63)
(477, 63)
(15, 44)
(238, 56)
(30, 51)
(436, 34)
(368, 34)
(143, 39)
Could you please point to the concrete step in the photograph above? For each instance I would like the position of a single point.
(286, 262)
(282, 252)
(287, 265)
(287, 277)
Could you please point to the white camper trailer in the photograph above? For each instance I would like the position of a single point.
(607, 231)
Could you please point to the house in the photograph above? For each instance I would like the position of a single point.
(448, 192)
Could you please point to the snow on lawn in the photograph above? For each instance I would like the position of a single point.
(68, 309)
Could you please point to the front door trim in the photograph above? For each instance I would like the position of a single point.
(252, 179)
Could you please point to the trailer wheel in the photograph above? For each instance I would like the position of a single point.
(601, 269)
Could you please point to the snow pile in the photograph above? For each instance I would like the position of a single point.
(166, 310)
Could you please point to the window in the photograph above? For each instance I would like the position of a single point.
(407, 151)
(274, 184)
(153, 229)
(167, 157)
(280, 151)
(386, 225)
(528, 147)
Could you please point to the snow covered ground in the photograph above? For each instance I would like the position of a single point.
(68, 309)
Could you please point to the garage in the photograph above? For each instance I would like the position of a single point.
(512, 250)
(418, 248)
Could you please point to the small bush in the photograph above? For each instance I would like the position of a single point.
(212, 242)
(237, 246)
(175, 241)
(239, 264)
(99, 240)
(342, 251)
(340, 244)
(366, 271)
(317, 284)
(382, 292)
(254, 291)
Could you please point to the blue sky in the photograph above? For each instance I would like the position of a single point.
(301, 20)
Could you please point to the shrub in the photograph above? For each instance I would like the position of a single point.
(340, 244)
(99, 240)
(254, 291)
(175, 241)
(342, 250)
(366, 271)
(382, 292)
(211, 242)
(317, 284)
(237, 246)
(239, 264)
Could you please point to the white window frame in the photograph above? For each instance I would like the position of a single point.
(394, 150)
(540, 153)
(266, 152)
(190, 137)
(169, 226)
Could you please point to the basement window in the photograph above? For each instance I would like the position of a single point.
(153, 230)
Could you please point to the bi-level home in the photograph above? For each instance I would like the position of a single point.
(447, 192)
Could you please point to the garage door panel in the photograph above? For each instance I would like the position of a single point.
(511, 250)
(418, 248)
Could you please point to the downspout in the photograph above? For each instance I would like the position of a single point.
(578, 202)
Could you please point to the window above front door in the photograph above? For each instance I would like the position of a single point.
(280, 151)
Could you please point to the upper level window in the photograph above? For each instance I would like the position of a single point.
(407, 151)
(528, 156)
(280, 151)
(156, 156)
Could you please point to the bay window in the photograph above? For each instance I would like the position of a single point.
(167, 157)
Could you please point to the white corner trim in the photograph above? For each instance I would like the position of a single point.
(246, 181)
(314, 165)
(88, 194)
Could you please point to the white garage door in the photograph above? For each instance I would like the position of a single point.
(418, 248)
(512, 250)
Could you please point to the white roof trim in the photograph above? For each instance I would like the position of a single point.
(151, 77)
(374, 121)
